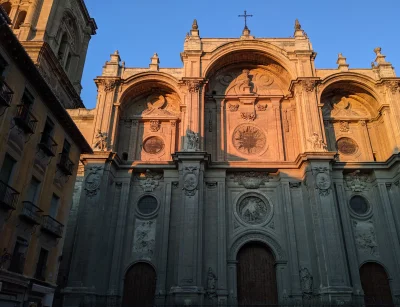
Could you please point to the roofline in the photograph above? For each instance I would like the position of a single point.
(90, 20)
(24, 62)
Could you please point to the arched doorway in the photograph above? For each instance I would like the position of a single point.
(256, 277)
(375, 284)
(139, 286)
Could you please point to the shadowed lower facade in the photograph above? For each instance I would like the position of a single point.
(247, 176)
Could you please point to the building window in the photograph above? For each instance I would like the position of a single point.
(47, 143)
(3, 65)
(147, 204)
(359, 205)
(24, 117)
(63, 47)
(33, 191)
(7, 7)
(125, 156)
(7, 169)
(20, 19)
(41, 264)
(18, 257)
(55, 201)
(68, 63)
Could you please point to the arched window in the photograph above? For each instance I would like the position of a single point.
(20, 19)
(7, 7)
(63, 47)
(68, 63)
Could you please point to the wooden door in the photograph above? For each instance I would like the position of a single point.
(256, 277)
(139, 286)
(375, 284)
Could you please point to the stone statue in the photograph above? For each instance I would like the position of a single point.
(211, 284)
(317, 144)
(306, 281)
(192, 141)
(297, 25)
(101, 140)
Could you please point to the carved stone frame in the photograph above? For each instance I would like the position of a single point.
(358, 216)
(149, 215)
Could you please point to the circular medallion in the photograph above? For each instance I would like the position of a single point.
(323, 181)
(153, 145)
(253, 210)
(347, 146)
(92, 181)
(359, 205)
(190, 182)
(248, 139)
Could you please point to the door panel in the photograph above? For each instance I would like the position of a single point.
(139, 286)
(375, 284)
(256, 277)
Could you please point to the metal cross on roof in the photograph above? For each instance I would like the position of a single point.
(245, 18)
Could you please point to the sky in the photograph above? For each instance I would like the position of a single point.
(138, 29)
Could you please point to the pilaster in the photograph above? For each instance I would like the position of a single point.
(189, 289)
(331, 262)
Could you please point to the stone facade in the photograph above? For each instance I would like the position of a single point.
(40, 147)
(247, 142)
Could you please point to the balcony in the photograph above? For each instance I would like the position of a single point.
(25, 119)
(48, 145)
(65, 164)
(52, 226)
(6, 94)
(31, 213)
(8, 196)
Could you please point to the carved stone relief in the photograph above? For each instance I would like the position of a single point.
(356, 181)
(253, 210)
(233, 107)
(149, 181)
(365, 237)
(250, 116)
(250, 180)
(155, 125)
(156, 104)
(153, 145)
(322, 180)
(344, 126)
(144, 239)
(317, 143)
(347, 106)
(249, 139)
(190, 180)
(93, 180)
(347, 146)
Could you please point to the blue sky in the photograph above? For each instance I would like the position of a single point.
(140, 28)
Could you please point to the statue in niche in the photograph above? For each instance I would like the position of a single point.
(211, 284)
(306, 281)
(101, 140)
(192, 141)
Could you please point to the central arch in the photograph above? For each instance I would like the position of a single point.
(256, 276)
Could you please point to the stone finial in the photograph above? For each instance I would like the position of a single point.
(297, 25)
(115, 58)
(194, 25)
(155, 61)
(298, 32)
(342, 64)
(195, 29)
(383, 68)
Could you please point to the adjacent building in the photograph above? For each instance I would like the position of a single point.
(248, 175)
(43, 46)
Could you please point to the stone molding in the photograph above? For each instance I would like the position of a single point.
(250, 180)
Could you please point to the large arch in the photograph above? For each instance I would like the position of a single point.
(257, 236)
(273, 52)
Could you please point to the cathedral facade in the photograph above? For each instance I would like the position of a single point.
(246, 176)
